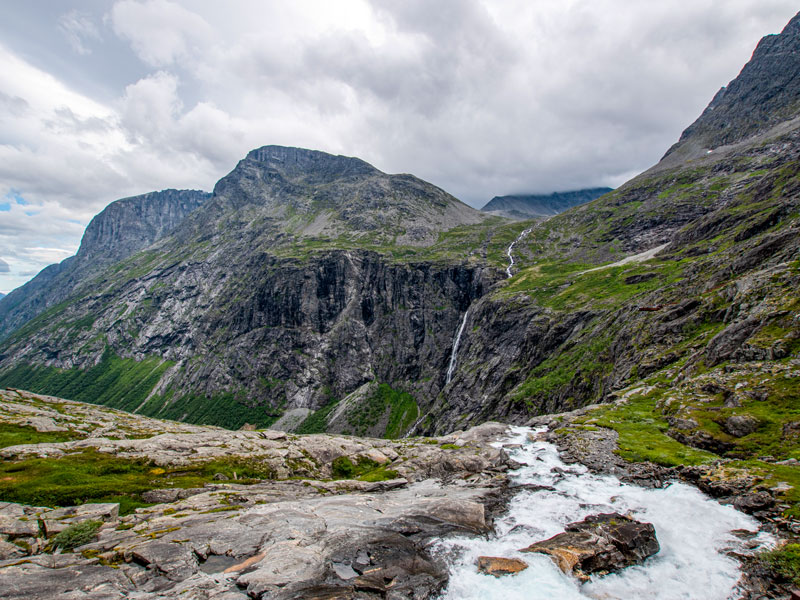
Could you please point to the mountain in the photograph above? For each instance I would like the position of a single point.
(305, 277)
(123, 228)
(317, 290)
(763, 96)
(531, 206)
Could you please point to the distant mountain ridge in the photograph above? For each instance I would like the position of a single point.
(531, 206)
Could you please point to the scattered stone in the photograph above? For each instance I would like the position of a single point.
(220, 477)
(602, 543)
(499, 566)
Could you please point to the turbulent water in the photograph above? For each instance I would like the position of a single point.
(694, 532)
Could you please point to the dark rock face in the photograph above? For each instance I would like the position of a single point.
(123, 228)
(131, 224)
(531, 206)
(600, 544)
(766, 92)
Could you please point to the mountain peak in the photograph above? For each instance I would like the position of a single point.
(765, 93)
(290, 160)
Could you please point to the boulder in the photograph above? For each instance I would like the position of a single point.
(601, 543)
(499, 566)
(740, 425)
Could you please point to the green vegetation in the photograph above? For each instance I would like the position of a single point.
(563, 286)
(13, 435)
(364, 469)
(76, 535)
(227, 410)
(401, 407)
(784, 563)
(117, 382)
(317, 422)
(91, 476)
(582, 363)
(642, 434)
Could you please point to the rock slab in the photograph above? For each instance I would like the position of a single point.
(602, 543)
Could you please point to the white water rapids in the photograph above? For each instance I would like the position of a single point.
(694, 532)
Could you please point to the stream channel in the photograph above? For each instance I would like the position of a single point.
(695, 534)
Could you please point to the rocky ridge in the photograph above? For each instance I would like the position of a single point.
(123, 228)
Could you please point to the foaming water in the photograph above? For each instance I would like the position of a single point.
(694, 532)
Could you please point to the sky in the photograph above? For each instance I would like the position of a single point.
(101, 100)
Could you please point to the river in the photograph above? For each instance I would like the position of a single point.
(694, 531)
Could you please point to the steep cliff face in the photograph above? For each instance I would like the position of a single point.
(531, 206)
(132, 224)
(123, 228)
(318, 284)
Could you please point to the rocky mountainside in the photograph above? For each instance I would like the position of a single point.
(123, 228)
(317, 288)
(304, 277)
(532, 206)
(764, 94)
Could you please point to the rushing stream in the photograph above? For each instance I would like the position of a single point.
(694, 532)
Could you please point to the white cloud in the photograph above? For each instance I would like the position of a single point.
(160, 32)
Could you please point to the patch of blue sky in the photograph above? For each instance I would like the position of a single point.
(16, 196)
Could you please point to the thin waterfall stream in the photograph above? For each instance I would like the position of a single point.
(454, 354)
(510, 251)
(696, 535)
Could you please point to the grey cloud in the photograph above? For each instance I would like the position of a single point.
(4, 268)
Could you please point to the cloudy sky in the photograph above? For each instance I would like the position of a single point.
(100, 100)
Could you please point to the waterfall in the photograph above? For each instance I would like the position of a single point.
(511, 249)
(454, 354)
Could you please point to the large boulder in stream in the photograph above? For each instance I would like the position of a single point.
(601, 543)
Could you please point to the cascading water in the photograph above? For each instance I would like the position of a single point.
(454, 354)
(695, 534)
(510, 250)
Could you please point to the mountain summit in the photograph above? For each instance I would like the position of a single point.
(765, 93)
(312, 193)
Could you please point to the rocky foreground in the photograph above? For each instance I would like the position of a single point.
(301, 534)
(328, 516)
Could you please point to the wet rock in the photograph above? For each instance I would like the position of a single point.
(755, 502)
(740, 425)
(599, 544)
(499, 566)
